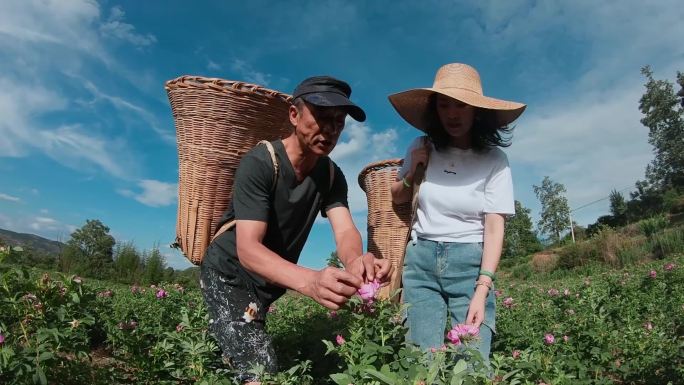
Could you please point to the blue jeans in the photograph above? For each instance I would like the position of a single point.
(439, 277)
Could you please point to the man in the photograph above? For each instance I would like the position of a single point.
(247, 268)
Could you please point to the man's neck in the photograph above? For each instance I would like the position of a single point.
(302, 161)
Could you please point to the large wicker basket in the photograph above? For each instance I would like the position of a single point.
(388, 223)
(217, 121)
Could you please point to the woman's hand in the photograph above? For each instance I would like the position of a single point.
(476, 310)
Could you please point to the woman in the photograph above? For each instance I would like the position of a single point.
(457, 234)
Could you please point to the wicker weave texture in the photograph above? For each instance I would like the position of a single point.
(388, 223)
(217, 121)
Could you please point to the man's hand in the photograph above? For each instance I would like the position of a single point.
(369, 268)
(331, 287)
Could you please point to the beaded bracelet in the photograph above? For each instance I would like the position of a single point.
(406, 184)
(487, 273)
(484, 283)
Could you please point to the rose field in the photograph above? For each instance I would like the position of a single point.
(594, 325)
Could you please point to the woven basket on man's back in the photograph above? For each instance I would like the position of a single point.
(388, 223)
(217, 121)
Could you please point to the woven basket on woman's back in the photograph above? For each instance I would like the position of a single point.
(217, 121)
(388, 223)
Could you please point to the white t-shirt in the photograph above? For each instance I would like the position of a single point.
(460, 187)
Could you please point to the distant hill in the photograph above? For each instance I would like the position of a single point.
(31, 241)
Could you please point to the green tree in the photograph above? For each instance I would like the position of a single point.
(127, 263)
(334, 260)
(154, 266)
(519, 237)
(618, 207)
(89, 251)
(664, 117)
(555, 215)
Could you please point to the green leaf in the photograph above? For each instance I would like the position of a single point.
(44, 356)
(342, 378)
(381, 376)
(460, 366)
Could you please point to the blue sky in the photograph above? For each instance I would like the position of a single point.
(87, 133)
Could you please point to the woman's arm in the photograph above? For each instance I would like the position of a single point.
(491, 254)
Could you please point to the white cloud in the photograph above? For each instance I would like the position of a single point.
(38, 37)
(246, 73)
(115, 27)
(43, 226)
(18, 104)
(154, 193)
(358, 147)
(212, 65)
(582, 127)
(125, 105)
(64, 23)
(71, 145)
(592, 144)
(9, 198)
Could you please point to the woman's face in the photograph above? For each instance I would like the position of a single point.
(456, 117)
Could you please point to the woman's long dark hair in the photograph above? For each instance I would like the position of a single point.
(484, 133)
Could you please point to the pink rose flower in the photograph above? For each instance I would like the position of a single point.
(369, 290)
(549, 339)
(508, 302)
(669, 266)
(652, 274)
(463, 333)
(340, 340)
(453, 337)
(161, 293)
(516, 354)
(2, 339)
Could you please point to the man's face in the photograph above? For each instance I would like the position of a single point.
(317, 128)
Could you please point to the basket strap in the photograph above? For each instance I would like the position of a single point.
(418, 178)
(271, 151)
(274, 160)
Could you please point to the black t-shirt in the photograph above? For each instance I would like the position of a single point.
(289, 210)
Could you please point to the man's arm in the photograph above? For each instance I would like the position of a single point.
(350, 248)
(330, 287)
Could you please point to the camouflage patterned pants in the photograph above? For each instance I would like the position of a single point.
(236, 320)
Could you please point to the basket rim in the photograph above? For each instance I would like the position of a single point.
(377, 166)
(223, 85)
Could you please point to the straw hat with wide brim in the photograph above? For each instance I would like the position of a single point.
(461, 82)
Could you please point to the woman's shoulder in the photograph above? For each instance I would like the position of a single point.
(495, 155)
(418, 140)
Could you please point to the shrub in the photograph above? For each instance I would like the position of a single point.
(668, 242)
(578, 254)
(653, 225)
